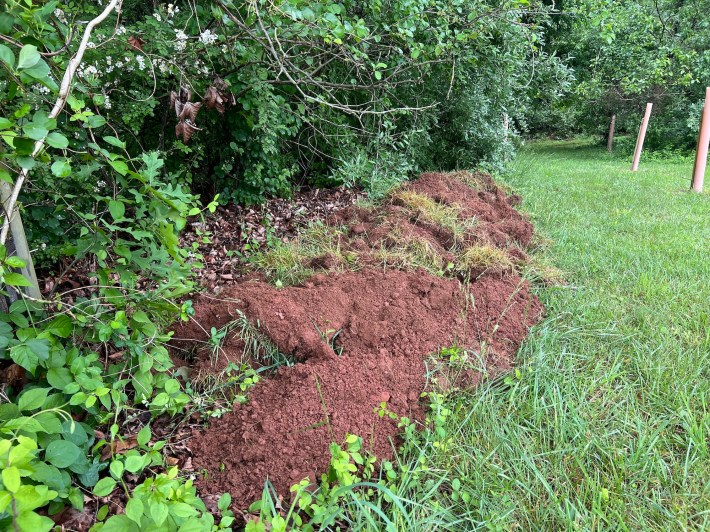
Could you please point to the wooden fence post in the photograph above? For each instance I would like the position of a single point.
(701, 154)
(641, 137)
(610, 142)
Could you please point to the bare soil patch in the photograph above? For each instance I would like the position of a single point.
(362, 330)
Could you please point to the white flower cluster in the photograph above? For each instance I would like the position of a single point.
(121, 30)
(40, 88)
(141, 62)
(172, 10)
(60, 16)
(180, 40)
(88, 71)
(162, 65)
(107, 102)
(158, 17)
(207, 37)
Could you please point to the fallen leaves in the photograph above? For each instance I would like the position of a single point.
(119, 446)
(236, 232)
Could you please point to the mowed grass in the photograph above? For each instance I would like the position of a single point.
(606, 425)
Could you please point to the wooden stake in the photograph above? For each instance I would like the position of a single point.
(610, 142)
(641, 137)
(701, 154)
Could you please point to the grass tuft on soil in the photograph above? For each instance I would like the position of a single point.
(421, 205)
(484, 259)
(410, 253)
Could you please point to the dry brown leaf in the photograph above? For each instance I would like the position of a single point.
(218, 96)
(189, 111)
(13, 375)
(213, 100)
(119, 446)
(136, 43)
(185, 130)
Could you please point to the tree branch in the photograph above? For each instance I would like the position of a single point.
(64, 89)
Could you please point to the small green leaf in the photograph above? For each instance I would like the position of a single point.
(59, 377)
(96, 121)
(11, 479)
(172, 386)
(183, 510)
(6, 56)
(134, 463)
(16, 279)
(29, 520)
(113, 141)
(117, 210)
(134, 510)
(140, 317)
(35, 131)
(15, 262)
(158, 512)
(29, 57)
(61, 326)
(120, 167)
(28, 424)
(57, 140)
(33, 399)
(40, 347)
(62, 453)
(116, 469)
(61, 168)
(23, 356)
(224, 502)
(104, 487)
(144, 435)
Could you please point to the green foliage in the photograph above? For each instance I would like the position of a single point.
(90, 356)
(623, 55)
(357, 493)
(307, 88)
(164, 502)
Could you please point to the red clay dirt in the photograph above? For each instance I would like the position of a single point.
(360, 338)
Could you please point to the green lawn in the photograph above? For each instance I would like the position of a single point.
(607, 425)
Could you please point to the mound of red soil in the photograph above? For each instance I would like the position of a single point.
(360, 338)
